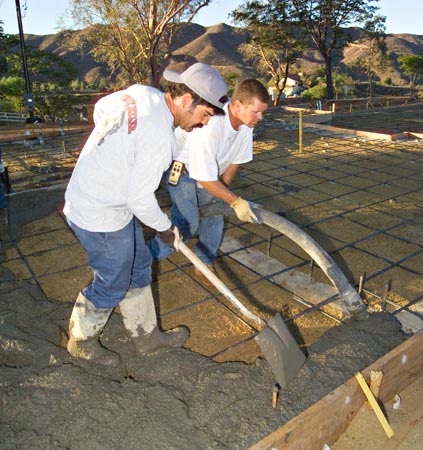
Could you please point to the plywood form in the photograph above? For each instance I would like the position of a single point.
(327, 419)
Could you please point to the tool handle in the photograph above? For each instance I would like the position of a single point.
(218, 283)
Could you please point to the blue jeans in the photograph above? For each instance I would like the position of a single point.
(120, 260)
(3, 200)
(186, 199)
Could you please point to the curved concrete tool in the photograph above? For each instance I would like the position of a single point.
(347, 294)
(279, 347)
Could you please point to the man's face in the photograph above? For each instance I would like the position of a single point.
(251, 113)
(195, 117)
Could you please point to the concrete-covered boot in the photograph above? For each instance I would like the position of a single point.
(140, 320)
(86, 323)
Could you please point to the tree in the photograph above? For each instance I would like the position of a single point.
(55, 101)
(133, 37)
(3, 47)
(412, 66)
(273, 46)
(342, 84)
(325, 22)
(6, 42)
(42, 66)
(374, 39)
(51, 77)
(11, 93)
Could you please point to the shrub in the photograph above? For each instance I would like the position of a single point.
(314, 93)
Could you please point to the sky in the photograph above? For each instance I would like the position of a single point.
(42, 16)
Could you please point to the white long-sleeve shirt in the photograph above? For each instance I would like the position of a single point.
(117, 179)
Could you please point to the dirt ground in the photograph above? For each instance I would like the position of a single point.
(361, 200)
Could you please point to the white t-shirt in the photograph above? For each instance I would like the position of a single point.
(117, 179)
(207, 152)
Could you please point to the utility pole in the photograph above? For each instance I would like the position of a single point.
(29, 99)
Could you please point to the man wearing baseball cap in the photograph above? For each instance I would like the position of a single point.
(112, 193)
(210, 158)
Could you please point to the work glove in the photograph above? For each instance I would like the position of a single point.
(243, 211)
(171, 237)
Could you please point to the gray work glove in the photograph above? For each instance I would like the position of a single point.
(243, 210)
(171, 237)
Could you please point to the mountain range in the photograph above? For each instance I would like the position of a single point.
(217, 45)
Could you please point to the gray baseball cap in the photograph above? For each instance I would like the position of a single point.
(202, 79)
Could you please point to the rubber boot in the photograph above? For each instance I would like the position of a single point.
(85, 326)
(140, 320)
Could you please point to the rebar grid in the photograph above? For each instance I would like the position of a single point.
(337, 179)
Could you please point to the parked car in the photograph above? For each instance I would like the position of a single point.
(35, 119)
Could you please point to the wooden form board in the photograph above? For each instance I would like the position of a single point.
(359, 133)
(327, 419)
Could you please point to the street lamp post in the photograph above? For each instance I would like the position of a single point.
(29, 99)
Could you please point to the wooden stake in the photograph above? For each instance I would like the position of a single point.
(360, 284)
(310, 275)
(375, 382)
(269, 243)
(300, 132)
(330, 416)
(374, 404)
(275, 394)
(386, 288)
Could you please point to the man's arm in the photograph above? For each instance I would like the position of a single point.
(229, 174)
(220, 190)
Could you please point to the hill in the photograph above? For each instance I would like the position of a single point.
(218, 45)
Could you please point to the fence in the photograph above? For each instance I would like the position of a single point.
(12, 117)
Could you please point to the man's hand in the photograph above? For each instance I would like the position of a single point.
(243, 210)
(171, 237)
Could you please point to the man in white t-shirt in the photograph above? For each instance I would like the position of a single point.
(211, 157)
(113, 184)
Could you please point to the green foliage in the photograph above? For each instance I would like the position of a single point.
(358, 69)
(54, 101)
(411, 63)
(10, 104)
(103, 84)
(412, 66)
(274, 45)
(388, 81)
(343, 85)
(77, 85)
(315, 93)
(374, 42)
(11, 87)
(322, 22)
(42, 66)
(231, 80)
(133, 38)
(11, 93)
(6, 43)
(319, 73)
(51, 78)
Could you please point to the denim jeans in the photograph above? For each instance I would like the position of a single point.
(120, 260)
(186, 199)
(3, 200)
